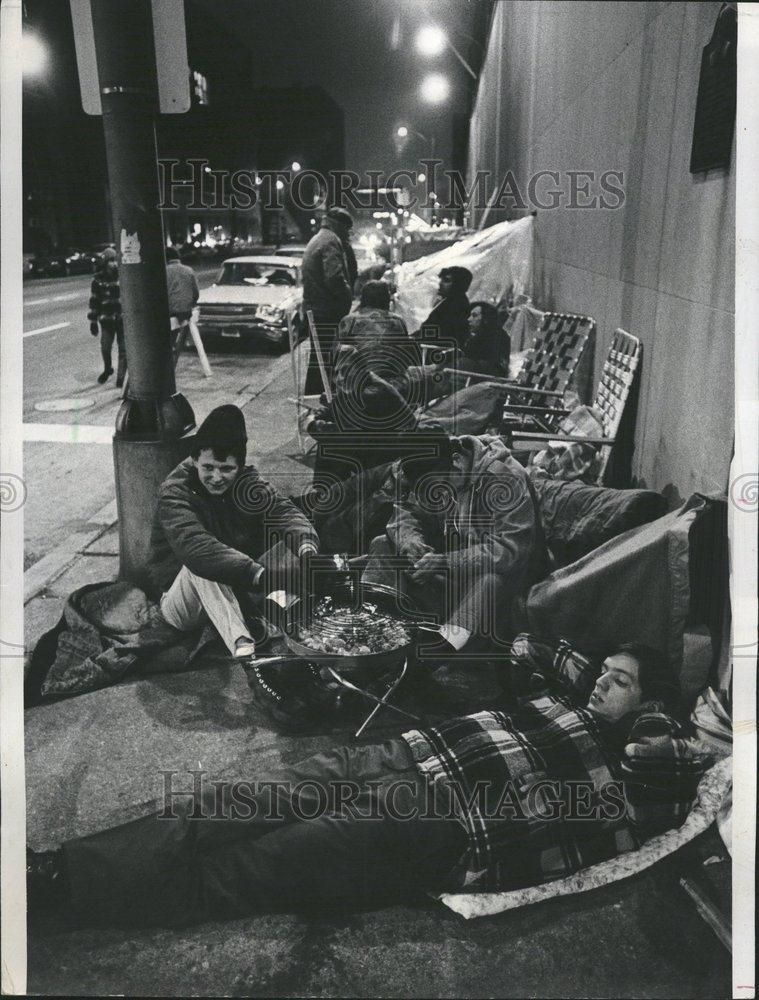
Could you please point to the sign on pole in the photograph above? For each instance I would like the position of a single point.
(170, 44)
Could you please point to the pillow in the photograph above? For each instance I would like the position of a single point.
(578, 518)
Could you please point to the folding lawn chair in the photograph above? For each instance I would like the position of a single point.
(530, 428)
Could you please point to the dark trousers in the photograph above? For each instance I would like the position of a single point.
(108, 333)
(326, 332)
(164, 871)
(476, 601)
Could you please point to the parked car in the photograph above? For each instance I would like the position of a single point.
(251, 301)
(293, 250)
(60, 261)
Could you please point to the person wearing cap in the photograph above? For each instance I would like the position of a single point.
(329, 271)
(448, 322)
(105, 315)
(225, 546)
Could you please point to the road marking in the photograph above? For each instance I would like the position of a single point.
(46, 329)
(69, 433)
(55, 298)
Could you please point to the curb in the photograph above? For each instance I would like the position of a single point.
(46, 570)
(39, 576)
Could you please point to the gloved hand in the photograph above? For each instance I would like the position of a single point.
(94, 329)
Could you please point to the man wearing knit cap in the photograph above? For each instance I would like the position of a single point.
(225, 546)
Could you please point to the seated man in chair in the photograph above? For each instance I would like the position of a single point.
(582, 768)
(466, 539)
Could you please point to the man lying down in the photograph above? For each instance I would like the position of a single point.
(583, 765)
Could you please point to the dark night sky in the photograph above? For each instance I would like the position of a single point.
(362, 52)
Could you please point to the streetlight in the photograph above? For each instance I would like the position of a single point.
(431, 40)
(403, 132)
(435, 88)
(34, 54)
(295, 166)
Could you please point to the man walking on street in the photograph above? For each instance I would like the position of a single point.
(105, 315)
(182, 286)
(329, 272)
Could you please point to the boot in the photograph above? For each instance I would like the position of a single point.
(104, 376)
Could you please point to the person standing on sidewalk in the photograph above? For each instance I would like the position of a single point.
(105, 315)
(329, 273)
(182, 286)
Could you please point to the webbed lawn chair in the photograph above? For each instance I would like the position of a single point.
(531, 428)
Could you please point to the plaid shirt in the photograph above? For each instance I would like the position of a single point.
(549, 789)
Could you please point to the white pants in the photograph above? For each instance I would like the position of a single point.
(191, 599)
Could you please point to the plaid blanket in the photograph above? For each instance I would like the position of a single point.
(549, 788)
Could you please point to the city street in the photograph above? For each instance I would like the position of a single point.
(69, 418)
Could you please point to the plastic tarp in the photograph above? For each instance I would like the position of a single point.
(499, 257)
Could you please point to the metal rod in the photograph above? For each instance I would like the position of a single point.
(319, 358)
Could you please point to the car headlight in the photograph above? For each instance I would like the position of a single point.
(271, 314)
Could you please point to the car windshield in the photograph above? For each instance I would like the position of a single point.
(245, 273)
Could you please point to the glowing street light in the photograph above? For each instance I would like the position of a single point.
(421, 177)
(34, 55)
(279, 185)
(402, 132)
(295, 166)
(431, 40)
(435, 88)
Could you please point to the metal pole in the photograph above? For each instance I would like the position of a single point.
(126, 71)
(153, 420)
(461, 59)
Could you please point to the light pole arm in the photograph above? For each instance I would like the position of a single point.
(461, 59)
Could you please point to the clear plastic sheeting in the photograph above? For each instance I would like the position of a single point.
(500, 259)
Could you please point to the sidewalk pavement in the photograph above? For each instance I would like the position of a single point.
(90, 554)
(92, 761)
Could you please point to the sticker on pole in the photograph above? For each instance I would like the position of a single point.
(130, 248)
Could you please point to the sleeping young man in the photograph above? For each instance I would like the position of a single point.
(498, 799)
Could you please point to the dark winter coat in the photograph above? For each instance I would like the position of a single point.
(105, 303)
(219, 538)
(329, 271)
(448, 321)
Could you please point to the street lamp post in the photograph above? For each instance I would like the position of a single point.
(154, 419)
(403, 131)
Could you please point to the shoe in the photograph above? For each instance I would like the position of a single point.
(104, 376)
(278, 700)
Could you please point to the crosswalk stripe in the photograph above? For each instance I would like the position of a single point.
(46, 329)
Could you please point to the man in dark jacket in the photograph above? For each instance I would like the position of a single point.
(105, 315)
(182, 286)
(225, 545)
(449, 320)
(464, 542)
(329, 271)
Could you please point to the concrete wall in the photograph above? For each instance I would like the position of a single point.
(597, 86)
